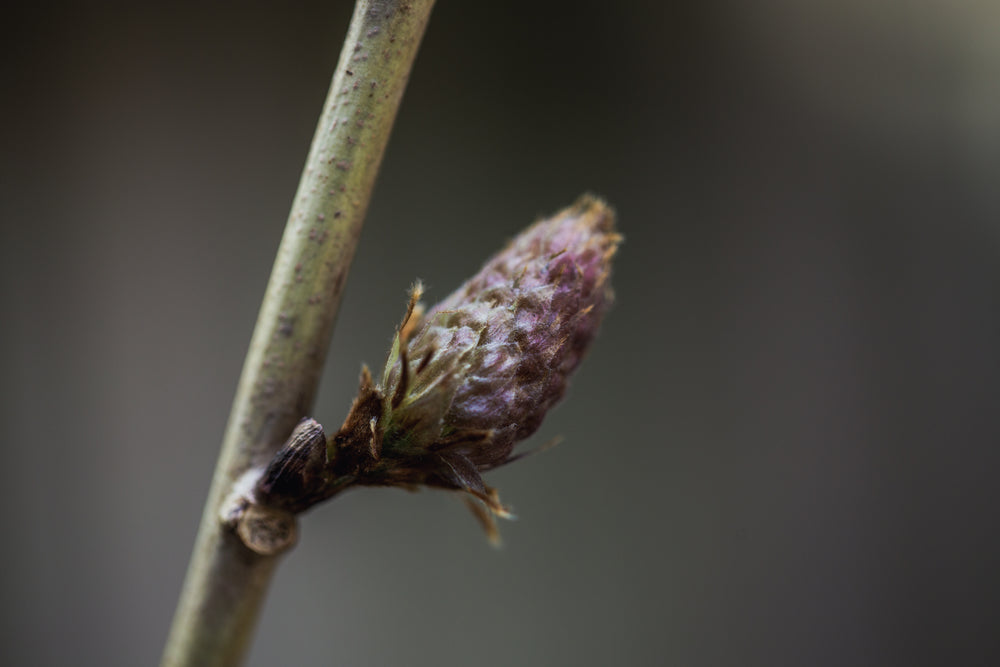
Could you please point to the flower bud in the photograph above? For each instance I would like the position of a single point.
(476, 374)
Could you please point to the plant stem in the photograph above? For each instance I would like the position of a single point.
(226, 582)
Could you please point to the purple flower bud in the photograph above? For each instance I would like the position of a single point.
(474, 376)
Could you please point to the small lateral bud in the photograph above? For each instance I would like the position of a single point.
(296, 470)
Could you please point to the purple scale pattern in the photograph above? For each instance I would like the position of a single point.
(503, 345)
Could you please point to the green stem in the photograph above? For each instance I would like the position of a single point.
(226, 582)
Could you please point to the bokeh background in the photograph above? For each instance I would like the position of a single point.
(781, 451)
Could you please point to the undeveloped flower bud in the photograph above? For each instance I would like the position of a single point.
(474, 376)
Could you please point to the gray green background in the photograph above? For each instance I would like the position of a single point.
(781, 451)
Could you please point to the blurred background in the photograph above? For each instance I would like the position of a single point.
(783, 449)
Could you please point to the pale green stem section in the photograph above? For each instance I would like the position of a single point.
(226, 582)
